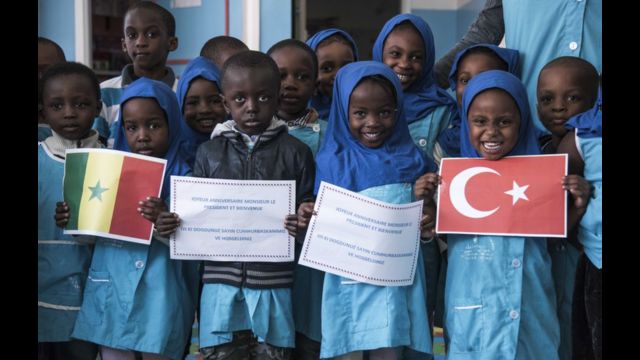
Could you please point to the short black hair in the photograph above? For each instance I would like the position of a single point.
(300, 45)
(587, 71)
(215, 46)
(486, 51)
(167, 18)
(69, 68)
(251, 60)
(384, 83)
(45, 41)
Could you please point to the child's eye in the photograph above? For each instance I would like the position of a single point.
(131, 35)
(155, 125)
(544, 99)
(56, 106)
(359, 114)
(214, 99)
(239, 99)
(263, 98)
(478, 122)
(193, 102)
(81, 105)
(463, 80)
(326, 68)
(573, 98)
(302, 77)
(504, 122)
(416, 58)
(385, 114)
(151, 34)
(130, 128)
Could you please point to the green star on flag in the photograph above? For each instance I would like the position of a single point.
(96, 191)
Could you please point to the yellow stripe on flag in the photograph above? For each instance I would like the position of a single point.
(99, 191)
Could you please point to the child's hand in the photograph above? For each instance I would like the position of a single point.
(167, 223)
(291, 224)
(305, 210)
(579, 189)
(426, 186)
(151, 208)
(428, 222)
(62, 214)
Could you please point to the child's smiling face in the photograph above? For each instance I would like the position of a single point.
(494, 122)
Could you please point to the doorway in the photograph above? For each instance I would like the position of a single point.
(362, 19)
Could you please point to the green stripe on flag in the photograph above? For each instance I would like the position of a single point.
(74, 171)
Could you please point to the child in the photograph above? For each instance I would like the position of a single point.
(298, 67)
(220, 48)
(238, 313)
(476, 59)
(149, 36)
(368, 149)
(584, 146)
(567, 86)
(334, 48)
(49, 53)
(137, 298)
(491, 310)
(405, 44)
(70, 95)
(200, 101)
(467, 64)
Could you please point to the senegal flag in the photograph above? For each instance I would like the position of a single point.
(102, 189)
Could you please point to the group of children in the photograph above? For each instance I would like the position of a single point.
(313, 112)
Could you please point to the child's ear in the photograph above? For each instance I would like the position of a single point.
(224, 103)
(173, 43)
(124, 45)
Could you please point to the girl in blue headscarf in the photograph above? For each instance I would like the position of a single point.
(368, 149)
(200, 104)
(583, 143)
(478, 58)
(334, 48)
(405, 44)
(137, 299)
(500, 305)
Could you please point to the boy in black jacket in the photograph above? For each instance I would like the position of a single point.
(246, 307)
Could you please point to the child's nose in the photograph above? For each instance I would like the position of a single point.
(69, 111)
(558, 105)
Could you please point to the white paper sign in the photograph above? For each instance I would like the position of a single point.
(363, 239)
(232, 220)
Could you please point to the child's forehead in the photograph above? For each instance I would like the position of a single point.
(293, 53)
(251, 77)
(567, 74)
(143, 17)
(142, 104)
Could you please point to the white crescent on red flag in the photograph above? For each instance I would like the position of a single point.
(516, 195)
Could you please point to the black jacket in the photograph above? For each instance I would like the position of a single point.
(275, 156)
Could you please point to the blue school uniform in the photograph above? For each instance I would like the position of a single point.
(499, 294)
(424, 101)
(588, 127)
(44, 131)
(306, 291)
(320, 102)
(200, 67)
(137, 298)
(359, 316)
(63, 260)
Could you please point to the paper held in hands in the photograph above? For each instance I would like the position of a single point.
(363, 239)
(232, 220)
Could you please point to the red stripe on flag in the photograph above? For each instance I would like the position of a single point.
(138, 180)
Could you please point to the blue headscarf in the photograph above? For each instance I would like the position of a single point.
(509, 56)
(345, 162)
(320, 102)
(497, 79)
(198, 67)
(159, 91)
(423, 96)
(588, 123)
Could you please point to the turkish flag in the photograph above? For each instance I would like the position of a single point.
(516, 195)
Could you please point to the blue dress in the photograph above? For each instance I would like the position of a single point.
(500, 299)
(590, 228)
(360, 316)
(137, 298)
(307, 282)
(63, 261)
(226, 308)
